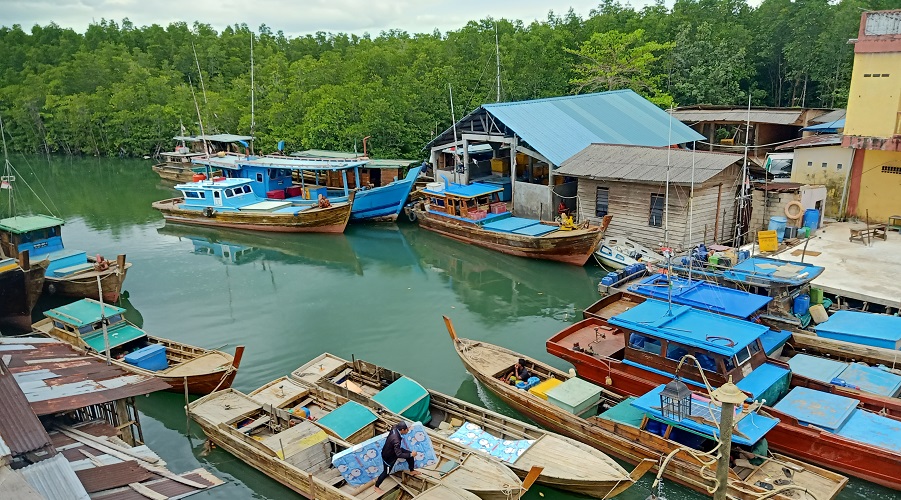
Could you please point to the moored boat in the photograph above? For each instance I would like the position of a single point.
(81, 324)
(618, 253)
(626, 437)
(567, 464)
(21, 283)
(295, 451)
(176, 166)
(473, 214)
(222, 202)
(353, 422)
(70, 273)
(640, 348)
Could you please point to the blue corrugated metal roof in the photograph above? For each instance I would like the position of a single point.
(560, 127)
(828, 127)
(691, 327)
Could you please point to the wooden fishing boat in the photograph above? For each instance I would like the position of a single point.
(21, 283)
(70, 273)
(80, 324)
(630, 439)
(473, 214)
(567, 464)
(222, 202)
(176, 166)
(617, 253)
(640, 348)
(296, 452)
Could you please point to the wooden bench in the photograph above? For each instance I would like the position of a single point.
(864, 235)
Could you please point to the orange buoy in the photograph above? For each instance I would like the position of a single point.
(217, 179)
(199, 177)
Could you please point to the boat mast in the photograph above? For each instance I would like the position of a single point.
(668, 252)
(206, 147)
(497, 59)
(740, 237)
(454, 121)
(200, 73)
(7, 174)
(691, 207)
(103, 320)
(252, 121)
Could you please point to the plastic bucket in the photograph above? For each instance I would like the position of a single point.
(811, 218)
(778, 223)
(801, 304)
(816, 296)
(435, 187)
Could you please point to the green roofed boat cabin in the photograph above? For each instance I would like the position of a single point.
(70, 273)
(81, 324)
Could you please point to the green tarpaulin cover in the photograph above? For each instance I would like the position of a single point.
(406, 398)
(347, 419)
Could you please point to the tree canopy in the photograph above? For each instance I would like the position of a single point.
(120, 89)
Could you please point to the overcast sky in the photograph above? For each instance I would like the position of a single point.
(293, 18)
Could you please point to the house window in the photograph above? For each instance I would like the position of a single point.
(600, 204)
(891, 170)
(810, 164)
(656, 215)
(838, 166)
(824, 164)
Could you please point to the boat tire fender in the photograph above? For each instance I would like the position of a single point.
(794, 210)
(411, 214)
(209, 212)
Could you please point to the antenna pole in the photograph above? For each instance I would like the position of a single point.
(497, 58)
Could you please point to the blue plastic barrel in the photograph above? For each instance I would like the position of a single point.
(811, 218)
(744, 255)
(609, 279)
(801, 304)
(778, 224)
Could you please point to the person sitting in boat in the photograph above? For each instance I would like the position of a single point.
(519, 373)
(756, 455)
(323, 202)
(392, 451)
(562, 209)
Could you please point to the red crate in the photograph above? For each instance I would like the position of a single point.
(276, 194)
(498, 208)
(294, 191)
(478, 214)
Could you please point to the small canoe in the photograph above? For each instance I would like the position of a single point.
(80, 324)
(457, 465)
(567, 464)
(629, 440)
(296, 452)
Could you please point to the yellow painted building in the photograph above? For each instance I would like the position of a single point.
(873, 123)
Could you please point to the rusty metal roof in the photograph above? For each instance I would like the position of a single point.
(812, 141)
(56, 378)
(642, 164)
(20, 428)
(54, 478)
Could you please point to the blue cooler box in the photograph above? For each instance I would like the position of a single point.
(152, 357)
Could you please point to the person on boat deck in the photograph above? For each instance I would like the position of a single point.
(520, 372)
(562, 208)
(392, 451)
(757, 454)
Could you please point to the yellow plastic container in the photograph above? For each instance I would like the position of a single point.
(767, 241)
(541, 389)
(500, 165)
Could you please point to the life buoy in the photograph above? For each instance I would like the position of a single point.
(797, 205)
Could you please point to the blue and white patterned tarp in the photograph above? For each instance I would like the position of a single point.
(472, 436)
(362, 463)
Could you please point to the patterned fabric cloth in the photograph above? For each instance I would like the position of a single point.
(362, 463)
(472, 436)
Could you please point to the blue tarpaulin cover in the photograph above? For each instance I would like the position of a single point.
(824, 410)
(773, 340)
(873, 429)
(406, 398)
(762, 270)
(877, 330)
(473, 436)
(347, 419)
(702, 295)
(866, 378)
(752, 427)
(362, 463)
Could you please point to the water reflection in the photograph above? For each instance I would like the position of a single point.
(500, 287)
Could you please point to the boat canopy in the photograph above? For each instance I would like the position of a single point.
(238, 162)
(763, 270)
(406, 398)
(213, 138)
(702, 295)
(83, 312)
(347, 419)
(119, 334)
(473, 190)
(877, 330)
(692, 327)
(27, 223)
(705, 418)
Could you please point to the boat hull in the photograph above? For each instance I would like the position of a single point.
(788, 437)
(384, 203)
(570, 247)
(619, 440)
(20, 290)
(317, 220)
(84, 286)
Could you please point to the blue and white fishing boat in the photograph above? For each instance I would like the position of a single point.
(272, 177)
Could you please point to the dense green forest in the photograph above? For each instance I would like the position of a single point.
(120, 89)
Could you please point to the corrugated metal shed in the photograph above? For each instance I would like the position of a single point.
(20, 428)
(54, 479)
(642, 164)
(837, 114)
(883, 23)
(814, 140)
(773, 116)
(56, 378)
(560, 127)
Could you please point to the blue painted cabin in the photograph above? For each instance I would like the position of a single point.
(41, 236)
(272, 178)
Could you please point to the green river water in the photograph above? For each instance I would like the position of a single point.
(376, 292)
